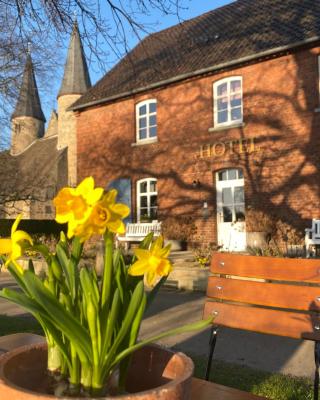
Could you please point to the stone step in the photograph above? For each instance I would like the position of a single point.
(181, 256)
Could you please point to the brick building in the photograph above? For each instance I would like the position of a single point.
(213, 118)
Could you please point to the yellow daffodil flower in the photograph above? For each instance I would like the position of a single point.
(106, 214)
(152, 263)
(74, 205)
(14, 247)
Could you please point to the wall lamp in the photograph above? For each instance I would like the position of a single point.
(205, 211)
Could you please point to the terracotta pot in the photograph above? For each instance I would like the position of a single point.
(155, 373)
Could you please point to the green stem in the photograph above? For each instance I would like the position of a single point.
(97, 381)
(86, 375)
(54, 358)
(75, 370)
(107, 272)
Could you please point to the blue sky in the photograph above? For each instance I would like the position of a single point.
(192, 8)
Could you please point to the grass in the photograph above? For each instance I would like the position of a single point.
(270, 385)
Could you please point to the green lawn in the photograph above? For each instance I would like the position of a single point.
(272, 386)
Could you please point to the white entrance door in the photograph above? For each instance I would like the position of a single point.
(231, 210)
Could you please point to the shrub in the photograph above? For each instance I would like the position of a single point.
(178, 228)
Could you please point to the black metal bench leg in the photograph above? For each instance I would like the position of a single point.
(316, 373)
(213, 340)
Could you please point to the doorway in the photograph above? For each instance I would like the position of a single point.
(231, 209)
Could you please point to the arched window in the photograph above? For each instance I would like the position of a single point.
(147, 207)
(146, 120)
(228, 105)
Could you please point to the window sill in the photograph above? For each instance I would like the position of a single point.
(142, 142)
(226, 127)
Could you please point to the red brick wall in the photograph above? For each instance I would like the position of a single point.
(279, 96)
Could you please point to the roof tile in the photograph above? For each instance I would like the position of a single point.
(241, 29)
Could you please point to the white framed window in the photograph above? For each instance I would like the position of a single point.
(147, 196)
(228, 104)
(146, 120)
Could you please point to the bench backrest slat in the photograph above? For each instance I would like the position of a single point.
(142, 229)
(286, 269)
(263, 320)
(265, 294)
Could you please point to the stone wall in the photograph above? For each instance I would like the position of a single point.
(25, 130)
(29, 209)
(277, 147)
(67, 133)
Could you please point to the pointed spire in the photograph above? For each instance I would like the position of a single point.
(28, 104)
(76, 79)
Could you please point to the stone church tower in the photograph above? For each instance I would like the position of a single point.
(76, 81)
(27, 119)
(40, 163)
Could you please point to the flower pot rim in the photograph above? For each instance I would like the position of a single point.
(188, 373)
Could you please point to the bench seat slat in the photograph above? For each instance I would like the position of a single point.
(266, 294)
(203, 390)
(286, 269)
(281, 323)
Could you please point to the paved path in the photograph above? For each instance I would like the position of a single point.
(265, 352)
(172, 308)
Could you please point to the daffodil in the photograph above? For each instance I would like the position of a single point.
(106, 214)
(152, 263)
(14, 247)
(74, 205)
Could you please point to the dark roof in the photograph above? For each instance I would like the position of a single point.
(240, 30)
(76, 79)
(35, 174)
(28, 102)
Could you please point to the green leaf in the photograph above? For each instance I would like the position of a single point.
(107, 278)
(21, 299)
(120, 277)
(134, 305)
(132, 340)
(114, 313)
(145, 244)
(64, 261)
(31, 306)
(89, 286)
(195, 326)
(72, 266)
(42, 249)
(59, 316)
(153, 293)
(31, 266)
(17, 276)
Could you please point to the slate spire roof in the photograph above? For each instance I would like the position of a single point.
(239, 32)
(76, 79)
(28, 104)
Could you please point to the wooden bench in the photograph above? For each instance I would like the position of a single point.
(312, 236)
(277, 296)
(138, 231)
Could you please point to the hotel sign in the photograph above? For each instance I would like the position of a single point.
(219, 149)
